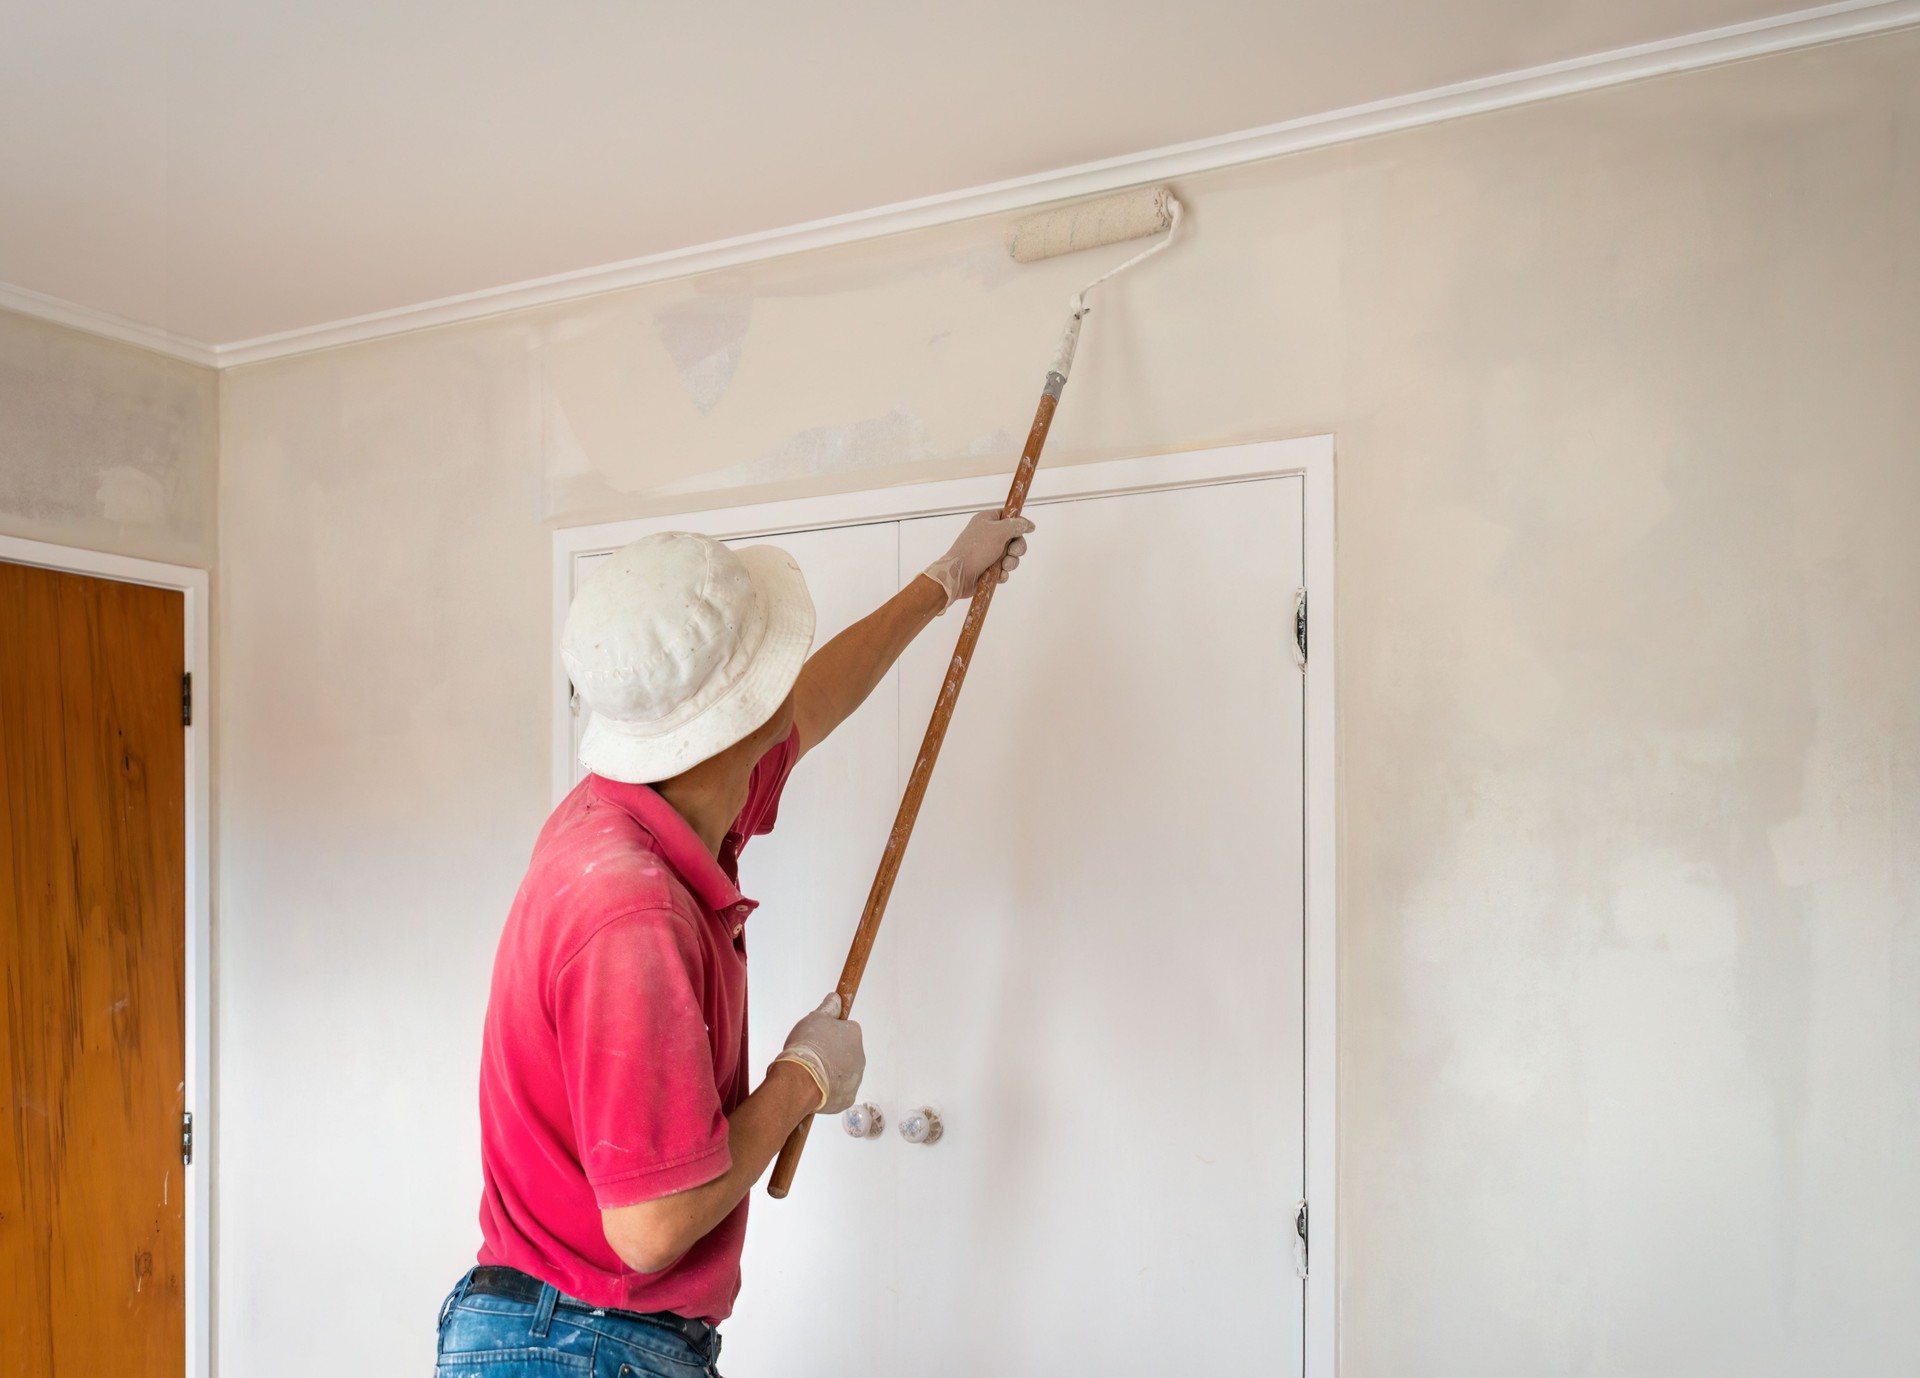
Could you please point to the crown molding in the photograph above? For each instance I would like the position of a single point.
(1712, 47)
(105, 324)
(1708, 48)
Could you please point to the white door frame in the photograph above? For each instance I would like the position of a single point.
(1311, 458)
(198, 1012)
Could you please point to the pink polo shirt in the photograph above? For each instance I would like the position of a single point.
(616, 1042)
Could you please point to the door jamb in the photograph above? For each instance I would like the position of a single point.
(198, 1004)
(1312, 459)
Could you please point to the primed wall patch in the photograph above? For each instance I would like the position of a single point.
(106, 446)
(704, 338)
(131, 496)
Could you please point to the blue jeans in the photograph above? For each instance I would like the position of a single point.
(484, 1336)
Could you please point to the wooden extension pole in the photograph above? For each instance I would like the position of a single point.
(789, 1160)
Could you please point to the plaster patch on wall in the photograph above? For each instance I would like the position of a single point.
(611, 399)
(892, 438)
(1665, 902)
(998, 441)
(131, 496)
(105, 446)
(853, 363)
(704, 338)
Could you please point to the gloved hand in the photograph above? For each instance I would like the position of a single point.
(830, 1048)
(986, 539)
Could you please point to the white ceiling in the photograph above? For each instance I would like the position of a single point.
(225, 169)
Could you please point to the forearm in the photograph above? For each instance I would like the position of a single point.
(838, 677)
(758, 1127)
(653, 1235)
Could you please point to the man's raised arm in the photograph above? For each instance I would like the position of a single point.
(838, 677)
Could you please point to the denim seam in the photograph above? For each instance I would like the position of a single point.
(515, 1354)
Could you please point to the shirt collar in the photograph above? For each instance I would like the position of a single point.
(680, 846)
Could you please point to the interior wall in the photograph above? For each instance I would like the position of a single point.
(105, 446)
(1629, 486)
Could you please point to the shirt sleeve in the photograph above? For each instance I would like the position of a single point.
(764, 789)
(637, 1063)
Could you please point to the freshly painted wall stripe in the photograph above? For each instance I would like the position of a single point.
(1690, 52)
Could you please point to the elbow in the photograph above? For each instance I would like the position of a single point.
(646, 1243)
(650, 1260)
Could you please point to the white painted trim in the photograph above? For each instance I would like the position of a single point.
(105, 324)
(1321, 1333)
(560, 737)
(198, 1014)
(1711, 47)
(1138, 474)
(1311, 458)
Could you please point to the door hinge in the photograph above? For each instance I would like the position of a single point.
(1300, 1240)
(186, 1137)
(1300, 629)
(186, 699)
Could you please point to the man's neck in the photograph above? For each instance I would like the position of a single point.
(709, 797)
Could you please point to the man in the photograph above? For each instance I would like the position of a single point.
(620, 1133)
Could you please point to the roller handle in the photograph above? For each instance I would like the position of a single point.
(788, 1163)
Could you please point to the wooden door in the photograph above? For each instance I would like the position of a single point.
(92, 933)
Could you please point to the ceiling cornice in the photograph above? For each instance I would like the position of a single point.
(105, 324)
(1690, 52)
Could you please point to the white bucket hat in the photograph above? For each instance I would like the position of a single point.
(682, 647)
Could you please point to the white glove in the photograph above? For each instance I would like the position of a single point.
(830, 1048)
(986, 539)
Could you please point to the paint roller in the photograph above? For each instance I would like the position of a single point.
(1094, 225)
(1114, 219)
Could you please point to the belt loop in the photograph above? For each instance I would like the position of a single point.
(454, 1297)
(543, 1310)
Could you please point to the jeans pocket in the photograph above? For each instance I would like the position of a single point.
(671, 1357)
(661, 1366)
(487, 1338)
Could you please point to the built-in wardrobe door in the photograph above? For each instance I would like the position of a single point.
(1098, 935)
